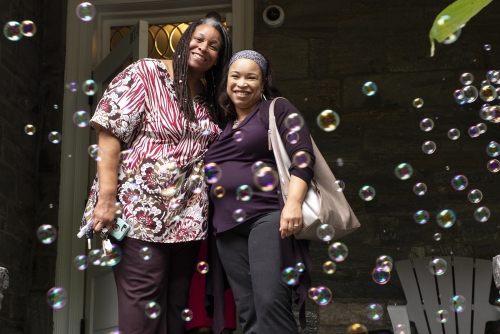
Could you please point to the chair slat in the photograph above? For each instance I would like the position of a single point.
(483, 310)
(445, 284)
(410, 287)
(429, 293)
(464, 269)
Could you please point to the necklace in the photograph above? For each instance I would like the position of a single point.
(237, 123)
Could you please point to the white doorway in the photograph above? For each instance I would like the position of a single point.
(87, 46)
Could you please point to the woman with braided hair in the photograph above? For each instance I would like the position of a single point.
(154, 123)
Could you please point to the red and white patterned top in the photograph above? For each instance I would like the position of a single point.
(161, 184)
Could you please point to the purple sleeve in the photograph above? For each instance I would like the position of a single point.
(282, 109)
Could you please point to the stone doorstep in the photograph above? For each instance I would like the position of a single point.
(4, 282)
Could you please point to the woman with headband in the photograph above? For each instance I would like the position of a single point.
(254, 229)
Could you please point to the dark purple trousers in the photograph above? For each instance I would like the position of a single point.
(164, 279)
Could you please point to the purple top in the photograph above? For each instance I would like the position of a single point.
(238, 149)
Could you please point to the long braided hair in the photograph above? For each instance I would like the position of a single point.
(212, 76)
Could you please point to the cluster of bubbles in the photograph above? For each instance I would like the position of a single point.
(14, 30)
(381, 274)
(321, 295)
(290, 275)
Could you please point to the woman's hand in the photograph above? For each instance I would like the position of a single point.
(291, 218)
(104, 215)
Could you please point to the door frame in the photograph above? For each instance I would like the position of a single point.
(86, 46)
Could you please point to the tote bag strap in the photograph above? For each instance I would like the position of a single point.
(280, 154)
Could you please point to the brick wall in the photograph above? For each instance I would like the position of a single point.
(322, 54)
(31, 83)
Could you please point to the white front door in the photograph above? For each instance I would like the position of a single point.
(101, 306)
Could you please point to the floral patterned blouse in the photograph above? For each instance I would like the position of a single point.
(161, 186)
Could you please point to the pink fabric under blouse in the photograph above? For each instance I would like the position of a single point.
(161, 184)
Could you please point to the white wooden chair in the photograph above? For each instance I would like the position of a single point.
(427, 293)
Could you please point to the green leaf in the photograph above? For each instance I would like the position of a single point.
(453, 18)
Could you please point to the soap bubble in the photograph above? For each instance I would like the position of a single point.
(493, 149)
(369, 88)
(466, 79)
(113, 257)
(94, 257)
(81, 262)
(300, 267)
(459, 182)
(152, 310)
(381, 275)
(493, 114)
(56, 106)
(487, 93)
(54, 137)
(312, 293)
(340, 162)
(301, 159)
(458, 303)
(367, 193)
(219, 191)
(89, 87)
(46, 234)
(329, 267)
(484, 83)
(487, 47)
(257, 166)
(28, 28)
(437, 266)
(421, 217)
(238, 136)
(442, 316)
(459, 94)
(470, 93)
(426, 124)
(384, 261)
(328, 120)
(474, 131)
(454, 134)
(482, 128)
(340, 185)
(325, 232)
(145, 253)
(266, 179)
(403, 171)
(460, 98)
(244, 193)
(374, 312)
(420, 189)
(85, 11)
(492, 76)
(482, 214)
(497, 304)
(95, 152)
(338, 251)
(13, 31)
(292, 137)
(289, 276)
(29, 129)
(429, 147)
(72, 86)
(56, 298)
(357, 329)
(81, 118)
(446, 218)
(475, 196)
(202, 267)
(324, 296)
(418, 103)
(294, 122)
(187, 315)
(437, 236)
(493, 165)
(239, 215)
(401, 328)
(213, 172)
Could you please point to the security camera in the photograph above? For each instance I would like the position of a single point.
(273, 16)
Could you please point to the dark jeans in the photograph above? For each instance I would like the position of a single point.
(164, 279)
(250, 254)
